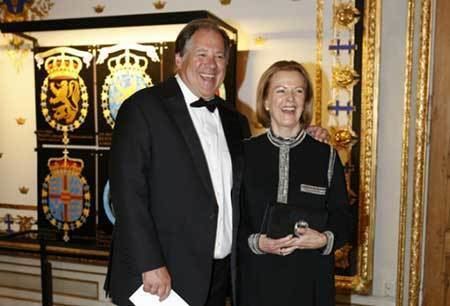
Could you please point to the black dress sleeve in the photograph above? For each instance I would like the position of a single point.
(339, 219)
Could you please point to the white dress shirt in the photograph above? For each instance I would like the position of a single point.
(210, 131)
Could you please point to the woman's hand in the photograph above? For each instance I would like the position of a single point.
(307, 239)
(310, 239)
(282, 246)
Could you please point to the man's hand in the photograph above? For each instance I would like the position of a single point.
(318, 133)
(157, 282)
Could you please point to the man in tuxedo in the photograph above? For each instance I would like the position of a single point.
(175, 171)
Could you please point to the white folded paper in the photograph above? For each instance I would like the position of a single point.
(142, 298)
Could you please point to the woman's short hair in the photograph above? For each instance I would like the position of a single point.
(262, 91)
(188, 31)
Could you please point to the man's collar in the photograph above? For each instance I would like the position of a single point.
(188, 95)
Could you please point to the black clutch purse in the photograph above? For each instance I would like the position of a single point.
(281, 219)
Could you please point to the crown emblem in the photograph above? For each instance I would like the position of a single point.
(59, 64)
(99, 8)
(159, 4)
(21, 120)
(24, 189)
(128, 61)
(63, 67)
(64, 166)
(260, 40)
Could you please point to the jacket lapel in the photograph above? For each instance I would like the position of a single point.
(233, 134)
(177, 109)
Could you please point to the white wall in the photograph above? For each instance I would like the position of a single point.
(16, 141)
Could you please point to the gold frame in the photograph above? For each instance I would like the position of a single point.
(419, 162)
(421, 136)
(361, 283)
(405, 153)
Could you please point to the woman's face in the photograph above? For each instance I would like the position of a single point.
(285, 102)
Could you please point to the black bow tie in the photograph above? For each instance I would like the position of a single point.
(210, 105)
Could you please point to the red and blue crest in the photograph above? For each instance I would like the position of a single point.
(66, 199)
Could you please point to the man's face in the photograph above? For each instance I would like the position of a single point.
(203, 65)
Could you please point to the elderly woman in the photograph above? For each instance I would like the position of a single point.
(287, 166)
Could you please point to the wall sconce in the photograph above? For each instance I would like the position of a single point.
(225, 2)
(17, 49)
(21, 120)
(99, 8)
(16, 42)
(159, 4)
(24, 189)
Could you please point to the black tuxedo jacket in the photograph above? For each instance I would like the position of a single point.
(162, 194)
